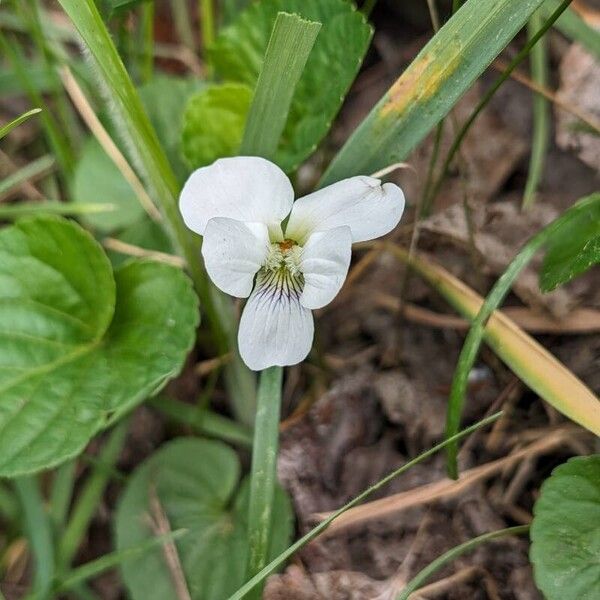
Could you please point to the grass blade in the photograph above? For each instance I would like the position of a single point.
(25, 209)
(431, 85)
(541, 112)
(290, 44)
(422, 576)
(204, 421)
(315, 531)
(39, 533)
(88, 500)
(34, 170)
(6, 129)
(109, 561)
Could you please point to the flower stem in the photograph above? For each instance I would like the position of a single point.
(264, 471)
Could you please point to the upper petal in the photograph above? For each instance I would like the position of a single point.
(233, 253)
(246, 188)
(325, 261)
(362, 203)
(275, 329)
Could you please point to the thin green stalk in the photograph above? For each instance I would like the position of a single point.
(39, 533)
(147, 35)
(541, 113)
(204, 421)
(53, 207)
(423, 576)
(516, 61)
(6, 129)
(33, 170)
(263, 474)
(9, 506)
(290, 44)
(206, 10)
(114, 559)
(474, 338)
(62, 494)
(91, 494)
(321, 527)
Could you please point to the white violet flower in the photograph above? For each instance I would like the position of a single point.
(240, 206)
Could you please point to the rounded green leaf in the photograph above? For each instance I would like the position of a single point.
(79, 346)
(213, 123)
(192, 483)
(565, 533)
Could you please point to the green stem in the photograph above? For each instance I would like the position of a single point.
(263, 476)
(5, 129)
(422, 576)
(90, 496)
(474, 338)
(61, 495)
(514, 63)
(207, 23)
(204, 421)
(541, 112)
(147, 35)
(39, 533)
(114, 559)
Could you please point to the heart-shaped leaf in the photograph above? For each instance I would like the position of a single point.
(79, 346)
(190, 484)
(341, 44)
(565, 533)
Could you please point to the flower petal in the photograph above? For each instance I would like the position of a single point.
(325, 262)
(362, 203)
(233, 253)
(245, 188)
(275, 329)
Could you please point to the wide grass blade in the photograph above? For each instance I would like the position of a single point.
(6, 129)
(290, 44)
(441, 73)
(10, 212)
(323, 525)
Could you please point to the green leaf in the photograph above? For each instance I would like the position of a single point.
(213, 123)
(573, 248)
(442, 72)
(79, 346)
(239, 50)
(97, 180)
(194, 481)
(565, 533)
